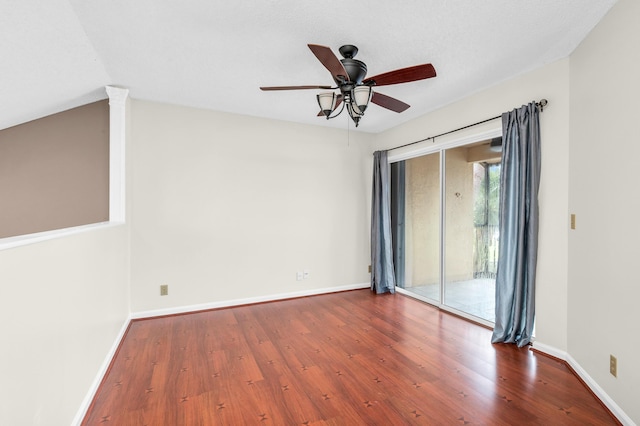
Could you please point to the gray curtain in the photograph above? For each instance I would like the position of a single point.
(382, 274)
(519, 182)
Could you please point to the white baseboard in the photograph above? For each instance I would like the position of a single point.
(247, 301)
(82, 411)
(593, 385)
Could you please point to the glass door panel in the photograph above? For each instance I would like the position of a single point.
(416, 224)
(471, 192)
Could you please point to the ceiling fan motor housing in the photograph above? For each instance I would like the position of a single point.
(356, 69)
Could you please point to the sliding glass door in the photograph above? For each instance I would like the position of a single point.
(445, 217)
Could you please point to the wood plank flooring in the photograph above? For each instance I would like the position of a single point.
(350, 358)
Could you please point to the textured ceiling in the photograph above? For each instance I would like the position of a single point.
(58, 54)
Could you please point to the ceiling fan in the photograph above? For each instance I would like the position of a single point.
(355, 90)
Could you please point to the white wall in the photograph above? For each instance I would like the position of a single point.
(228, 207)
(63, 303)
(551, 83)
(604, 283)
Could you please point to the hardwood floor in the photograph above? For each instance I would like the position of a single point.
(348, 358)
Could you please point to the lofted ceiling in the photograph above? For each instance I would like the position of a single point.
(59, 54)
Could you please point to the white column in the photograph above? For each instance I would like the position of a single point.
(117, 136)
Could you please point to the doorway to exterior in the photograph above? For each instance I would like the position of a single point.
(445, 227)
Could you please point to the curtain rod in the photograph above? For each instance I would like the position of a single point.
(543, 103)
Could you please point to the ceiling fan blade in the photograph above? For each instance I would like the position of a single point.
(338, 102)
(295, 87)
(388, 102)
(330, 61)
(403, 75)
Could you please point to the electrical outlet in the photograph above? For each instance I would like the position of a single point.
(369, 268)
(164, 290)
(613, 366)
(573, 221)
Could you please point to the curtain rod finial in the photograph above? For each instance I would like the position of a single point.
(543, 103)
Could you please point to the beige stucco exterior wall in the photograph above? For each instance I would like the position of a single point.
(422, 218)
(459, 236)
(422, 221)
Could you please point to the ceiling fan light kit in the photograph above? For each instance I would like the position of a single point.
(327, 102)
(355, 91)
(356, 102)
(361, 97)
